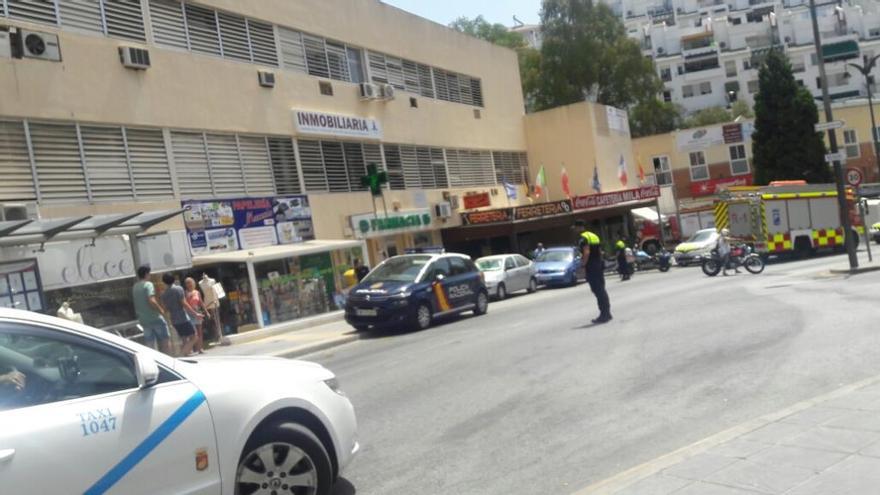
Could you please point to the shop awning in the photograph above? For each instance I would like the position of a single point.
(272, 253)
(22, 232)
(647, 213)
(841, 50)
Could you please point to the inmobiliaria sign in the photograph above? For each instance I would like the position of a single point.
(615, 198)
(328, 124)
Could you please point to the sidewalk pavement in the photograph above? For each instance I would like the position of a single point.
(293, 343)
(827, 445)
(865, 266)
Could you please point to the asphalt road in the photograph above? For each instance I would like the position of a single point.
(532, 399)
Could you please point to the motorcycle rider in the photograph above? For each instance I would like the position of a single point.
(724, 251)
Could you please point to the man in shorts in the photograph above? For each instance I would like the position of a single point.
(150, 313)
(174, 300)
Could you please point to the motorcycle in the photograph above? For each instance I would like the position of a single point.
(662, 260)
(740, 255)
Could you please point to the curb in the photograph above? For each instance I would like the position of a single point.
(295, 352)
(642, 471)
(282, 328)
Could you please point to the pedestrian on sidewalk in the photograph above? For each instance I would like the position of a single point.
(150, 313)
(538, 250)
(194, 298)
(360, 270)
(590, 246)
(174, 299)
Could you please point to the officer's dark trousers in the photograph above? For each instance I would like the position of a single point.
(596, 278)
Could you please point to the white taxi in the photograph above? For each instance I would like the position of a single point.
(84, 411)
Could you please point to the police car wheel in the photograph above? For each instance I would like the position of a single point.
(423, 316)
(284, 458)
(502, 292)
(482, 306)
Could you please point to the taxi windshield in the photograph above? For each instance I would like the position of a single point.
(399, 269)
(490, 264)
(555, 256)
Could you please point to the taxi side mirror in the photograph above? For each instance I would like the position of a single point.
(147, 370)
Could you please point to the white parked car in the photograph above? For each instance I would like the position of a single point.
(694, 249)
(508, 273)
(84, 411)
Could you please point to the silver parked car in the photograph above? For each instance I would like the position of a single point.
(508, 273)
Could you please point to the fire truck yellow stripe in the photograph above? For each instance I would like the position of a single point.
(722, 219)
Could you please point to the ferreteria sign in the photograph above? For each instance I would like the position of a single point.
(329, 124)
(371, 225)
(615, 198)
(520, 213)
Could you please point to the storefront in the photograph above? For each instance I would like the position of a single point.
(396, 232)
(279, 283)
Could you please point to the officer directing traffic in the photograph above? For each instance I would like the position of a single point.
(590, 246)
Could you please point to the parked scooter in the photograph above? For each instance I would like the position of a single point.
(740, 255)
(662, 260)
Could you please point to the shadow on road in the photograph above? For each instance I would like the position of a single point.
(343, 487)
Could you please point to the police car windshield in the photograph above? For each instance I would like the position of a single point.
(490, 265)
(398, 269)
(555, 256)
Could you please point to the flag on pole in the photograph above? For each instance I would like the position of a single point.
(621, 171)
(540, 183)
(597, 186)
(641, 170)
(510, 189)
(566, 187)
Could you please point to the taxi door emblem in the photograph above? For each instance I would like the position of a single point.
(201, 460)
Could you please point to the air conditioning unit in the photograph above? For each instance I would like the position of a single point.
(443, 210)
(18, 211)
(369, 91)
(34, 44)
(266, 78)
(134, 57)
(387, 92)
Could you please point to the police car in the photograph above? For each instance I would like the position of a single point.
(83, 411)
(414, 289)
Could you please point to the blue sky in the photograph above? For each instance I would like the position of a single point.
(445, 11)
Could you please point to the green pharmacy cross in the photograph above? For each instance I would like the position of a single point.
(374, 179)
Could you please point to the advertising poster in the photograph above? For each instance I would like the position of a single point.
(221, 226)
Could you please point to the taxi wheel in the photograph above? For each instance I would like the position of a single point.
(284, 458)
(482, 306)
(423, 316)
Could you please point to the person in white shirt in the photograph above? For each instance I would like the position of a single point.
(724, 250)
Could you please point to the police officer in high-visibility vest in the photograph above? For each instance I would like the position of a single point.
(590, 246)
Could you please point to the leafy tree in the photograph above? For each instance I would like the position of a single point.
(785, 144)
(708, 116)
(654, 117)
(586, 55)
(741, 108)
(479, 27)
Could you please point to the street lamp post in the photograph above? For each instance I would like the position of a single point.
(865, 69)
(850, 240)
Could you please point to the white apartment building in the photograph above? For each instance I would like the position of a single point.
(707, 52)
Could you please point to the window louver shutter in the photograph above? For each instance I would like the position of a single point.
(125, 19)
(338, 61)
(225, 165)
(59, 166)
(410, 163)
(378, 69)
(149, 164)
(477, 92)
(426, 168)
(355, 165)
(395, 72)
(464, 90)
(191, 164)
(394, 166)
(441, 85)
(411, 77)
(262, 37)
(293, 53)
(334, 165)
(106, 164)
(256, 165)
(509, 167)
(234, 37)
(169, 29)
(202, 28)
(454, 89)
(81, 14)
(316, 56)
(284, 166)
(312, 162)
(438, 163)
(372, 154)
(426, 85)
(470, 168)
(15, 164)
(41, 11)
